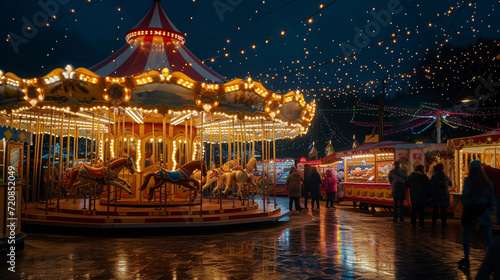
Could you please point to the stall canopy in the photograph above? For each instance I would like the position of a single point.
(380, 147)
(155, 42)
(488, 138)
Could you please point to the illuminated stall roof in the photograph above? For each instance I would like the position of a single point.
(372, 148)
(488, 138)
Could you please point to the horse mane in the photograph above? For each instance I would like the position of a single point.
(117, 162)
(192, 165)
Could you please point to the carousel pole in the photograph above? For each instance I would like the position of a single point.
(274, 165)
(47, 192)
(61, 143)
(268, 157)
(229, 144)
(202, 157)
(211, 148)
(164, 143)
(38, 158)
(67, 141)
(220, 165)
(263, 174)
(76, 141)
(92, 139)
(109, 171)
(28, 157)
(86, 144)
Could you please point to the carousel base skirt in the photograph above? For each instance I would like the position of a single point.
(72, 215)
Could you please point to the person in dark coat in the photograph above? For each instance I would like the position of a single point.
(306, 188)
(478, 196)
(315, 183)
(293, 183)
(440, 195)
(420, 190)
(397, 179)
(494, 175)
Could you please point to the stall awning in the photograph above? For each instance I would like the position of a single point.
(488, 138)
(14, 134)
(380, 147)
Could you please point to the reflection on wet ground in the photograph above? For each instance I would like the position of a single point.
(342, 243)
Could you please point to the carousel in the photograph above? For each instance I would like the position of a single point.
(149, 137)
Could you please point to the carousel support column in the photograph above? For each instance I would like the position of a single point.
(202, 157)
(38, 158)
(27, 174)
(263, 174)
(37, 130)
(211, 155)
(76, 141)
(47, 191)
(61, 143)
(67, 142)
(191, 149)
(186, 155)
(92, 139)
(109, 170)
(229, 145)
(220, 165)
(164, 143)
(86, 145)
(268, 157)
(274, 165)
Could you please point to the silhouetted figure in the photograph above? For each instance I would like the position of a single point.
(315, 183)
(440, 195)
(478, 200)
(397, 179)
(306, 188)
(293, 183)
(420, 190)
(491, 262)
(494, 175)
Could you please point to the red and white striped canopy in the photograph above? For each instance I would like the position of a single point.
(155, 42)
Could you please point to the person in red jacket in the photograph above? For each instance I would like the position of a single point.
(330, 183)
(494, 175)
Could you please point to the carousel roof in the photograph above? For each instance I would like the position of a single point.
(155, 42)
(175, 93)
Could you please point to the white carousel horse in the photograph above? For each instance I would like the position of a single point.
(240, 177)
(214, 174)
(84, 174)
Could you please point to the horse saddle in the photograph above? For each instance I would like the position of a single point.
(175, 176)
(248, 174)
(97, 172)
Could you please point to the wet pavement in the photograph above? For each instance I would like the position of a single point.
(341, 243)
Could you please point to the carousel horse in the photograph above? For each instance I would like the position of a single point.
(84, 174)
(181, 176)
(240, 177)
(214, 174)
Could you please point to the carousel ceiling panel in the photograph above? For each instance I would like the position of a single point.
(162, 93)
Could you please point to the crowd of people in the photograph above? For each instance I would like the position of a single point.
(309, 184)
(481, 192)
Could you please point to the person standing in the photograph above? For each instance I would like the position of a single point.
(494, 175)
(293, 183)
(306, 188)
(315, 184)
(397, 179)
(440, 195)
(420, 188)
(330, 183)
(478, 200)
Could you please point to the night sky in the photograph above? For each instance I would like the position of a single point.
(286, 45)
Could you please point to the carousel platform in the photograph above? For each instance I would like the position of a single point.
(73, 215)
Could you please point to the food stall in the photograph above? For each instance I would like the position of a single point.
(366, 173)
(484, 147)
(367, 168)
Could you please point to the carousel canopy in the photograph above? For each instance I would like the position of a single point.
(175, 94)
(153, 43)
(488, 138)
